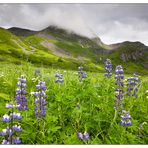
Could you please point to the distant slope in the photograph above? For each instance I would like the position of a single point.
(60, 48)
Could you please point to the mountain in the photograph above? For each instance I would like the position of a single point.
(59, 48)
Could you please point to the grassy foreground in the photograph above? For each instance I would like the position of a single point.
(95, 96)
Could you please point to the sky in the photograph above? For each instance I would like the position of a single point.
(113, 23)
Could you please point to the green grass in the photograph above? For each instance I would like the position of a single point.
(63, 120)
(20, 50)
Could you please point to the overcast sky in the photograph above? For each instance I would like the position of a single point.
(113, 23)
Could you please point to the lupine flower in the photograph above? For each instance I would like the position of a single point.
(16, 116)
(6, 142)
(132, 83)
(108, 68)
(4, 132)
(126, 119)
(16, 140)
(84, 136)
(20, 94)
(40, 109)
(80, 135)
(59, 78)
(15, 128)
(81, 73)
(120, 84)
(6, 118)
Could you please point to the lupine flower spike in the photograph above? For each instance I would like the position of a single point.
(126, 119)
(81, 73)
(108, 68)
(59, 78)
(132, 84)
(11, 130)
(20, 94)
(120, 84)
(40, 102)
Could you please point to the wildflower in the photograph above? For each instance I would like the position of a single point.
(81, 73)
(40, 102)
(86, 136)
(126, 119)
(16, 116)
(17, 128)
(6, 118)
(108, 68)
(4, 132)
(132, 83)
(82, 136)
(16, 140)
(6, 141)
(59, 78)
(120, 84)
(7, 133)
(20, 94)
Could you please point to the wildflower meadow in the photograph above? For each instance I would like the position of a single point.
(57, 106)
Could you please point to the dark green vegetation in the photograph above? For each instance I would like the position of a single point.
(58, 48)
(64, 119)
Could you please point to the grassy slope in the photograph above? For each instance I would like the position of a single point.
(85, 53)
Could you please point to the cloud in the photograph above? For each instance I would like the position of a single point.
(111, 22)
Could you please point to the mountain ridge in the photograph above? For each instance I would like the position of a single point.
(59, 47)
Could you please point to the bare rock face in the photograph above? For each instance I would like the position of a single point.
(131, 56)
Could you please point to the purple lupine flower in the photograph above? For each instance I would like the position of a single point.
(10, 105)
(7, 133)
(4, 132)
(80, 135)
(6, 141)
(126, 119)
(83, 136)
(132, 84)
(17, 128)
(20, 94)
(16, 116)
(6, 118)
(40, 102)
(81, 73)
(59, 78)
(120, 84)
(108, 68)
(16, 140)
(86, 136)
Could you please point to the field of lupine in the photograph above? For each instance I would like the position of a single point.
(50, 106)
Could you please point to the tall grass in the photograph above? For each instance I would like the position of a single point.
(74, 106)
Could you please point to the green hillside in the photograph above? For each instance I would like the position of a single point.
(57, 48)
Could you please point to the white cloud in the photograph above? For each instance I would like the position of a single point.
(111, 22)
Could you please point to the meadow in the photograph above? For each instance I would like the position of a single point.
(74, 107)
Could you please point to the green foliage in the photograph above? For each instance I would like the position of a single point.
(64, 119)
